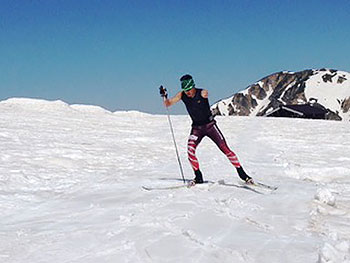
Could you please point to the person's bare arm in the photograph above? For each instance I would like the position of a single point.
(173, 100)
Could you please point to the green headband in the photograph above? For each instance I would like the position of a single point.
(187, 84)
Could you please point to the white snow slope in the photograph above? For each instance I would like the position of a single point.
(71, 182)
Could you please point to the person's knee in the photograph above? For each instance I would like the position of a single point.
(224, 148)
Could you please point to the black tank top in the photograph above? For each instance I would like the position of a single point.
(198, 108)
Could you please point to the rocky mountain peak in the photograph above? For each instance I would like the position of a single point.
(330, 88)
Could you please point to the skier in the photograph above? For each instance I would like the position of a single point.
(203, 124)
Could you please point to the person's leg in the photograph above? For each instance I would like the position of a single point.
(193, 140)
(216, 135)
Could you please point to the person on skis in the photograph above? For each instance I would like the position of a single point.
(203, 124)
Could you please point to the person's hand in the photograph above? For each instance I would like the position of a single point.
(163, 92)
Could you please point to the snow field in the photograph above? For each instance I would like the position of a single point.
(71, 177)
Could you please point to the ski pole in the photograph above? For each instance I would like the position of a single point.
(164, 94)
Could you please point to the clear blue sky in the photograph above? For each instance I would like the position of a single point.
(116, 53)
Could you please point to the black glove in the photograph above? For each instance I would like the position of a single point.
(163, 92)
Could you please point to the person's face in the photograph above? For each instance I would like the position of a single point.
(190, 93)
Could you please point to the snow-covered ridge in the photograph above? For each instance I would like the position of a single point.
(59, 106)
(47, 105)
(331, 89)
(33, 104)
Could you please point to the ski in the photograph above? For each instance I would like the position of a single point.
(188, 184)
(244, 186)
(259, 184)
(150, 188)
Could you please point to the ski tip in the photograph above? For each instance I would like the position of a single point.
(273, 188)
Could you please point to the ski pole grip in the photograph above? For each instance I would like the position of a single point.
(163, 92)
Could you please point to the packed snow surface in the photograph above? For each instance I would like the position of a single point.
(71, 180)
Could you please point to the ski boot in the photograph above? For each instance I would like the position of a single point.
(242, 174)
(198, 179)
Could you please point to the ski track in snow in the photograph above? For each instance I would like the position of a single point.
(71, 178)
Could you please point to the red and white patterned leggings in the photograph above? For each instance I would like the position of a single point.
(212, 131)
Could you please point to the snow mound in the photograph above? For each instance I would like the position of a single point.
(89, 108)
(334, 253)
(132, 113)
(34, 104)
(325, 196)
(59, 107)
